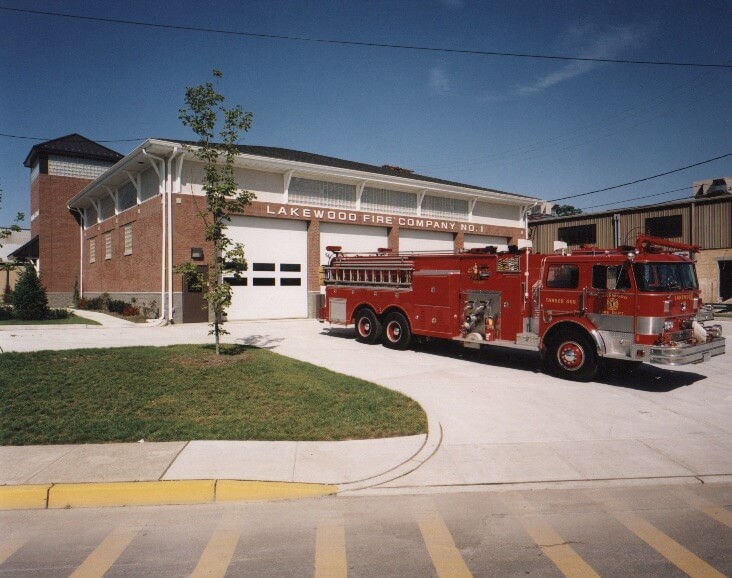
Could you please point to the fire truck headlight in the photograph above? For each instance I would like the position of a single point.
(668, 325)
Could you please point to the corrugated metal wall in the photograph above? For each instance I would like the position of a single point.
(712, 225)
(634, 224)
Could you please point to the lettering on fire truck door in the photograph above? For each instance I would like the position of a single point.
(561, 292)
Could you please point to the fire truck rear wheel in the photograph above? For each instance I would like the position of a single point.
(396, 332)
(368, 327)
(572, 355)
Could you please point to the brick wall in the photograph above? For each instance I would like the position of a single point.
(58, 234)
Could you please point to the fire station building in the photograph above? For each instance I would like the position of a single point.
(120, 225)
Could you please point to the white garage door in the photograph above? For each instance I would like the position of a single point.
(274, 286)
(352, 238)
(425, 241)
(480, 241)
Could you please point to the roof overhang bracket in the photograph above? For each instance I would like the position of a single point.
(115, 198)
(136, 182)
(420, 198)
(287, 177)
(359, 193)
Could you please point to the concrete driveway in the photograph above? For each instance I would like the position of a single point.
(495, 418)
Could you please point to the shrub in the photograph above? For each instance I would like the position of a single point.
(6, 312)
(8, 295)
(83, 303)
(29, 297)
(130, 311)
(116, 306)
(95, 304)
(58, 314)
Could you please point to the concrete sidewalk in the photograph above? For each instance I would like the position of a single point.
(495, 420)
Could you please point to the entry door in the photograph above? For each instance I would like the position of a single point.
(194, 302)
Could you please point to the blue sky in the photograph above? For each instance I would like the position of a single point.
(545, 128)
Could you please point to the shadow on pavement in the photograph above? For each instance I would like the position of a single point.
(642, 377)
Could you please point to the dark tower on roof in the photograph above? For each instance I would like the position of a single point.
(60, 168)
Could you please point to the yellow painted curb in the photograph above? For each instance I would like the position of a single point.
(30, 497)
(131, 494)
(233, 490)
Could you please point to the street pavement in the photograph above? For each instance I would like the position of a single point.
(495, 421)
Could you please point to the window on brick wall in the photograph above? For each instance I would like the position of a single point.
(108, 246)
(128, 240)
(93, 250)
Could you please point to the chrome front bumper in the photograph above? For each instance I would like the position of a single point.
(678, 354)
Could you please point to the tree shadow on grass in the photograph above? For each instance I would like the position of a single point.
(231, 349)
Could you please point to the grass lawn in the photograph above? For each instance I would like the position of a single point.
(186, 392)
(70, 320)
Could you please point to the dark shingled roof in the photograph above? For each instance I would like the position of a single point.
(73, 145)
(304, 157)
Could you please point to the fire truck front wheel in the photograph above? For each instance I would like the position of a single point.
(368, 327)
(572, 355)
(396, 331)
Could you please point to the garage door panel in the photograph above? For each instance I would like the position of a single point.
(352, 238)
(480, 241)
(274, 286)
(425, 241)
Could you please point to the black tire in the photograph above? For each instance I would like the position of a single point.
(368, 327)
(397, 334)
(572, 355)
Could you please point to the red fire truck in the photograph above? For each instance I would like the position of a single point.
(637, 303)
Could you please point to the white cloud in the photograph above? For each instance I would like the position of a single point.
(439, 80)
(587, 42)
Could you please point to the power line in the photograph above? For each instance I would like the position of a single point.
(686, 188)
(68, 140)
(366, 44)
(641, 180)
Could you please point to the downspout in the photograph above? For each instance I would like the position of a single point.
(81, 249)
(169, 186)
(161, 177)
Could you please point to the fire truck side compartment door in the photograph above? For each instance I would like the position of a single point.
(337, 309)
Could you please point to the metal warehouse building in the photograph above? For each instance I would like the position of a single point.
(704, 220)
(120, 225)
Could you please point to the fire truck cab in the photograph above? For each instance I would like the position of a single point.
(638, 304)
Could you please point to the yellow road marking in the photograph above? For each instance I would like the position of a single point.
(666, 546)
(552, 545)
(330, 551)
(711, 509)
(441, 547)
(9, 547)
(228, 490)
(219, 551)
(104, 555)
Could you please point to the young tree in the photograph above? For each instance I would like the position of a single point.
(203, 113)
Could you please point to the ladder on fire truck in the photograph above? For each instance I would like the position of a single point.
(370, 270)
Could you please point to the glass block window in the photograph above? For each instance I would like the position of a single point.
(128, 240)
(91, 217)
(35, 171)
(150, 186)
(444, 207)
(322, 193)
(93, 250)
(108, 246)
(386, 201)
(107, 207)
(80, 168)
(127, 196)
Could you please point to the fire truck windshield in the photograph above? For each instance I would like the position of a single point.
(665, 276)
